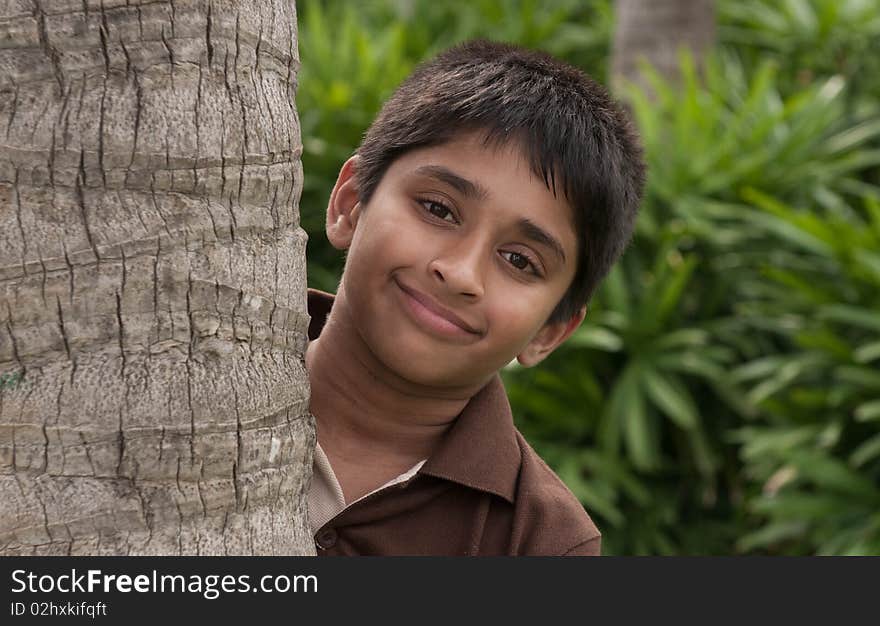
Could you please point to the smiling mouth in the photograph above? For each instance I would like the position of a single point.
(434, 315)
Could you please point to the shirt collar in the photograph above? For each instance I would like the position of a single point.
(480, 450)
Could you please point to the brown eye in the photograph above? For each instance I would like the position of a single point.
(438, 210)
(519, 261)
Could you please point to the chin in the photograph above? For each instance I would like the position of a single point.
(419, 366)
(431, 369)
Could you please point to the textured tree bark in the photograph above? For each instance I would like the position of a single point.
(152, 278)
(654, 31)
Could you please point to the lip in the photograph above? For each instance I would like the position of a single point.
(437, 317)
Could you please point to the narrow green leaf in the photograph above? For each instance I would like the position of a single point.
(830, 473)
(634, 421)
(872, 206)
(615, 471)
(865, 452)
(825, 341)
(863, 376)
(803, 14)
(853, 136)
(571, 473)
(770, 534)
(868, 411)
(615, 289)
(781, 222)
(758, 368)
(691, 362)
(867, 352)
(786, 374)
(762, 443)
(798, 506)
(673, 289)
(594, 501)
(682, 337)
(705, 459)
(863, 318)
(734, 398)
(590, 336)
(671, 397)
(869, 261)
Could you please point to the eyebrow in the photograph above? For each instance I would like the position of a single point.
(474, 190)
(466, 187)
(539, 235)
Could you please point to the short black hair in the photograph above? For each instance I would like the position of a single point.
(574, 134)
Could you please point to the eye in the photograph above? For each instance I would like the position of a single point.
(521, 262)
(438, 210)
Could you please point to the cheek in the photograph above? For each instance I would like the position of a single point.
(516, 319)
(392, 244)
(373, 242)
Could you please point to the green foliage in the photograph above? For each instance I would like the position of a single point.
(716, 323)
(739, 131)
(817, 452)
(811, 39)
(723, 395)
(347, 72)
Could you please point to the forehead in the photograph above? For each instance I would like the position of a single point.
(501, 173)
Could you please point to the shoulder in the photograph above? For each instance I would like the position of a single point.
(549, 519)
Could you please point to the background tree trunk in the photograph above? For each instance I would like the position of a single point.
(654, 30)
(152, 279)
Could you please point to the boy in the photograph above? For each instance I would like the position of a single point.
(489, 197)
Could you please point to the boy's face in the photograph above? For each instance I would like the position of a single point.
(456, 262)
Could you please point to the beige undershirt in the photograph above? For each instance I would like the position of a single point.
(326, 500)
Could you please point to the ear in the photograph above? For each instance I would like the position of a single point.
(344, 207)
(549, 338)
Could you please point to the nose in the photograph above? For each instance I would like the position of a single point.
(460, 269)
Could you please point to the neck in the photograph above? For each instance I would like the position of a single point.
(363, 410)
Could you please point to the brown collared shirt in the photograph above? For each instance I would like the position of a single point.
(483, 491)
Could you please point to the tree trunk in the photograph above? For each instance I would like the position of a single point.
(654, 30)
(152, 279)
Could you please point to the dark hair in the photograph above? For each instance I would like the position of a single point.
(574, 134)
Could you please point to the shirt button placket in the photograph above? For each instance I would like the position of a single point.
(326, 538)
